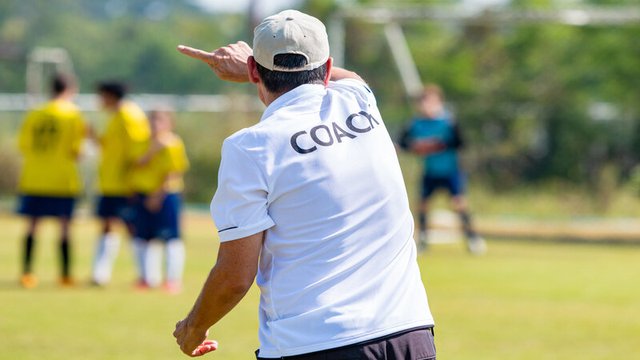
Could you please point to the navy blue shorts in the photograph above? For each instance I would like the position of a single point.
(36, 206)
(115, 207)
(454, 184)
(164, 224)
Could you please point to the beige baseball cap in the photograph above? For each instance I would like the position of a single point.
(291, 32)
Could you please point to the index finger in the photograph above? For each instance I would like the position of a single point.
(195, 53)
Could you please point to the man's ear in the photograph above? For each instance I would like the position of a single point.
(252, 68)
(329, 68)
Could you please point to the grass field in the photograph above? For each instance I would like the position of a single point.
(523, 300)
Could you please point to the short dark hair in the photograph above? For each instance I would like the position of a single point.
(60, 83)
(113, 88)
(282, 81)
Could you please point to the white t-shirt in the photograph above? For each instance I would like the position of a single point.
(320, 174)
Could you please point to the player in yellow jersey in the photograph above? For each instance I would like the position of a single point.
(50, 140)
(157, 180)
(125, 130)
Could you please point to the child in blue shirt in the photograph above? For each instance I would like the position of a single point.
(434, 136)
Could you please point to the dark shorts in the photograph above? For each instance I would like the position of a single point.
(36, 206)
(415, 344)
(164, 224)
(454, 184)
(115, 207)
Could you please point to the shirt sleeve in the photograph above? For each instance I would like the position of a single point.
(456, 141)
(78, 136)
(135, 122)
(24, 138)
(239, 207)
(365, 94)
(179, 160)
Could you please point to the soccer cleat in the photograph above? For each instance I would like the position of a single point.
(67, 281)
(141, 286)
(476, 245)
(172, 287)
(28, 281)
(96, 283)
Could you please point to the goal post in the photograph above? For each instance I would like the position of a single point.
(393, 16)
(42, 62)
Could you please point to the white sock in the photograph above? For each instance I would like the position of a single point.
(175, 260)
(153, 263)
(139, 249)
(106, 252)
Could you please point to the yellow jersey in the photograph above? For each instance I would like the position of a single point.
(50, 139)
(127, 128)
(163, 171)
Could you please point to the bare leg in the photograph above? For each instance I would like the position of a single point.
(423, 210)
(475, 244)
(28, 280)
(29, 242)
(65, 251)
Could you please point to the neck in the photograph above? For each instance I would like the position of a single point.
(270, 97)
(63, 96)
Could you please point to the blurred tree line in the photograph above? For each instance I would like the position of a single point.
(131, 40)
(537, 103)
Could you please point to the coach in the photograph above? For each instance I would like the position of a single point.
(312, 200)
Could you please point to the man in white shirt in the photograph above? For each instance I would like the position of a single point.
(312, 201)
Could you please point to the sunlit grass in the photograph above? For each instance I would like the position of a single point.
(523, 300)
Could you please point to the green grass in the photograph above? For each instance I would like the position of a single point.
(523, 300)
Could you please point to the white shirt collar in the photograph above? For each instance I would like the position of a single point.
(293, 96)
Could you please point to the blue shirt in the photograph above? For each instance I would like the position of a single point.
(442, 163)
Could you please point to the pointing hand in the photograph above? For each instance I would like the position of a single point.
(228, 62)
